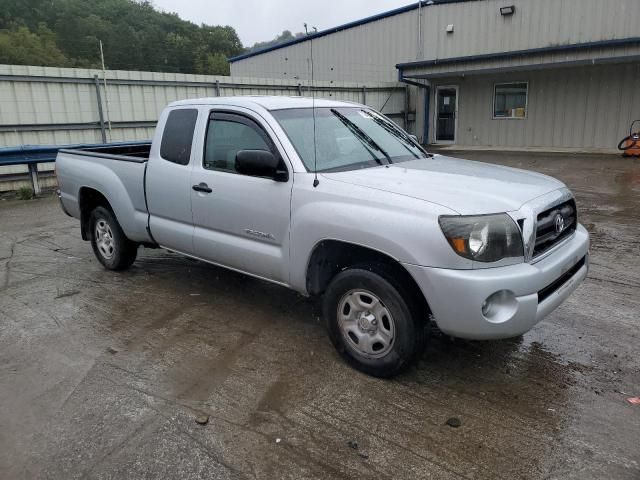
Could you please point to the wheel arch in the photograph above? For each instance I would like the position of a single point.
(329, 257)
(88, 200)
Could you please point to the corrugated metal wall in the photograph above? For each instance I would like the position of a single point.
(479, 28)
(372, 50)
(368, 52)
(45, 105)
(576, 108)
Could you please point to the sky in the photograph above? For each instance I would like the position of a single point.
(260, 20)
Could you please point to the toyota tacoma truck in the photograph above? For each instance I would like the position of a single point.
(333, 199)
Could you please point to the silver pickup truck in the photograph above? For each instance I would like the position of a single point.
(332, 198)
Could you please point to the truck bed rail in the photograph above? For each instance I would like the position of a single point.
(137, 153)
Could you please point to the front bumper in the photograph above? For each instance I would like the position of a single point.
(456, 297)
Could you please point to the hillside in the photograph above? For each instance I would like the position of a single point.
(135, 36)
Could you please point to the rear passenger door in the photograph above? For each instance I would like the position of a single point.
(168, 181)
(241, 222)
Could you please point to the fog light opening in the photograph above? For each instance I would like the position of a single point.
(500, 306)
(485, 308)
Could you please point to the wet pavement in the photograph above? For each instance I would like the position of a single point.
(103, 374)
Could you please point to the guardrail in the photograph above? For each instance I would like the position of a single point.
(32, 155)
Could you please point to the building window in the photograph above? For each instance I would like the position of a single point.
(510, 100)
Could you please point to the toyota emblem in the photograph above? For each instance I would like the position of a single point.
(559, 221)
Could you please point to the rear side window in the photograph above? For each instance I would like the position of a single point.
(178, 135)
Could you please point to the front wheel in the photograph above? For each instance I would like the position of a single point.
(376, 328)
(110, 245)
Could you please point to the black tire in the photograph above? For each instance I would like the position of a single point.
(121, 252)
(409, 322)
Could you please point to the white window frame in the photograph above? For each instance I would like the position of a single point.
(493, 101)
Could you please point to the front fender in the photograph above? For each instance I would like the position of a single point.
(403, 228)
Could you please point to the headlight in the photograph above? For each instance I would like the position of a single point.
(483, 238)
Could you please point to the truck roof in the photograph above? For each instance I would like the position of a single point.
(267, 102)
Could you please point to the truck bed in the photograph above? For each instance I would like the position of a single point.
(116, 172)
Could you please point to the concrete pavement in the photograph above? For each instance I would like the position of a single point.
(103, 374)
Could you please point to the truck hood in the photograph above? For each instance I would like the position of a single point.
(465, 186)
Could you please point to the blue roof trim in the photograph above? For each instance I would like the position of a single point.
(520, 53)
(346, 26)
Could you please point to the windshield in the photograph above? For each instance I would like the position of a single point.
(347, 138)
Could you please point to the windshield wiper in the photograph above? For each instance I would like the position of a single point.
(361, 135)
(404, 139)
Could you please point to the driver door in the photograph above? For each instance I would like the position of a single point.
(240, 221)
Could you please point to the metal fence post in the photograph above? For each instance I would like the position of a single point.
(100, 113)
(217, 88)
(33, 174)
(364, 95)
(406, 107)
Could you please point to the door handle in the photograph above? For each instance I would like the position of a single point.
(202, 187)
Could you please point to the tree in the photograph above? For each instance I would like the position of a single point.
(285, 36)
(211, 64)
(135, 36)
(20, 46)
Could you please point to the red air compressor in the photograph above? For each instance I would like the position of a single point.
(630, 145)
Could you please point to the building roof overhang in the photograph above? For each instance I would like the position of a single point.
(556, 56)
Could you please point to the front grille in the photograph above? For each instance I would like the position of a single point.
(549, 289)
(547, 232)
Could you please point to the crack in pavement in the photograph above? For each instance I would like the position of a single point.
(7, 266)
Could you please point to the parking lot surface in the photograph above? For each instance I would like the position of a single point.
(104, 374)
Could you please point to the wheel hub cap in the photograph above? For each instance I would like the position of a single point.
(104, 239)
(366, 323)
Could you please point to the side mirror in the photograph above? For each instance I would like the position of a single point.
(260, 163)
(414, 138)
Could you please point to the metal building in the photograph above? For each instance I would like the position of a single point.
(547, 74)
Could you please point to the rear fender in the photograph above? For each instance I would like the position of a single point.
(121, 183)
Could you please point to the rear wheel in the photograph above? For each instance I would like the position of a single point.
(373, 322)
(110, 245)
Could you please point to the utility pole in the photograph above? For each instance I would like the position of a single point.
(420, 42)
(106, 94)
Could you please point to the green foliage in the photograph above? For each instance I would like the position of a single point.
(25, 193)
(285, 36)
(135, 37)
(18, 45)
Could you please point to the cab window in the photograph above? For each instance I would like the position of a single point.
(227, 134)
(177, 136)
